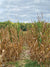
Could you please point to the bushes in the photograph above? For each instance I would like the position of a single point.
(23, 26)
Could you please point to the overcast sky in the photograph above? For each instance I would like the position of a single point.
(24, 10)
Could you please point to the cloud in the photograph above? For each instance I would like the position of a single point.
(23, 15)
(15, 9)
(24, 10)
(47, 15)
(0, 3)
(27, 21)
(36, 1)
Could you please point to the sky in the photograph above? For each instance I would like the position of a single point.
(24, 10)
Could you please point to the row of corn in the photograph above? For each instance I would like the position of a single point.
(38, 39)
(11, 42)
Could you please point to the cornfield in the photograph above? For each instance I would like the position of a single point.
(11, 43)
(38, 39)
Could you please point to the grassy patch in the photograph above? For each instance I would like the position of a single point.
(30, 63)
(24, 47)
(13, 63)
(16, 64)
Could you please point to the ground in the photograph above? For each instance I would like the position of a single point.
(25, 55)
